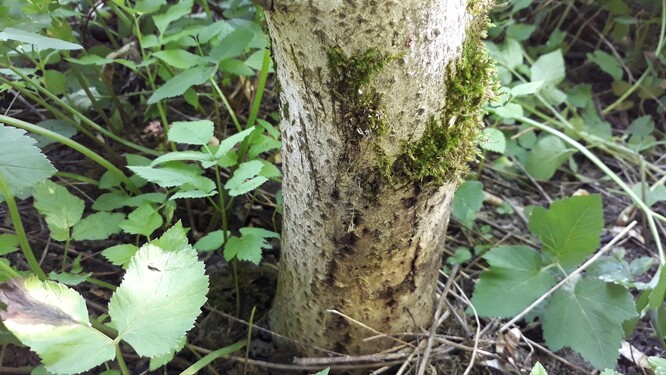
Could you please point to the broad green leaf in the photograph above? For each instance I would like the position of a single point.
(642, 126)
(467, 201)
(159, 299)
(236, 67)
(580, 95)
(111, 201)
(461, 255)
(98, 226)
(170, 176)
(53, 321)
(538, 370)
(549, 68)
(588, 319)
(262, 143)
(509, 111)
(61, 208)
(610, 372)
(90, 60)
(138, 200)
(21, 163)
(57, 126)
(144, 220)
(607, 63)
(570, 229)
(120, 255)
(594, 124)
(174, 238)
(246, 178)
(179, 83)
(148, 6)
(249, 245)
(67, 278)
(516, 278)
(171, 14)
(8, 243)
(520, 31)
(228, 143)
(55, 81)
(39, 42)
(509, 54)
(203, 157)
(528, 88)
(178, 58)
(656, 298)
(161, 360)
(323, 372)
(233, 45)
(658, 365)
(198, 132)
(492, 139)
(211, 241)
(547, 155)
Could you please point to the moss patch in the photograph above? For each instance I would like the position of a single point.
(360, 105)
(449, 140)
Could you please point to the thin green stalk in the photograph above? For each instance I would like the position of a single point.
(77, 177)
(84, 85)
(101, 283)
(74, 145)
(640, 80)
(15, 215)
(249, 338)
(203, 362)
(234, 267)
(84, 118)
(649, 214)
(121, 360)
(226, 104)
(263, 75)
(66, 254)
(112, 333)
(8, 270)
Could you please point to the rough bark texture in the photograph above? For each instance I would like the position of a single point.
(362, 82)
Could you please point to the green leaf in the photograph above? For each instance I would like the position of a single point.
(173, 239)
(98, 226)
(111, 201)
(528, 88)
(120, 255)
(55, 81)
(516, 278)
(159, 299)
(57, 126)
(467, 201)
(236, 67)
(607, 63)
(173, 175)
(68, 278)
(547, 155)
(39, 42)
(538, 370)
(246, 178)
(198, 132)
(8, 243)
(211, 241)
(144, 220)
(588, 319)
(179, 83)
(161, 360)
(658, 365)
(233, 45)
(656, 298)
(62, 209)
(205, 158)
(520, 31)
(323, 372)
(178, 58)
(148, 6)
(549, 68)
(228, 143)
(171, 14)
(49, 317)
(510, 54)
(492, 139)
(642, 126)
(249, 246)
(21, 163)
(570, 229)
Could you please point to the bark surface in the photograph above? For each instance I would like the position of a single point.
(359, 80)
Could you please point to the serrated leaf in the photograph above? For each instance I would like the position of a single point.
(570, 229)
(198, 132)
(161, 360)
(39, 42)
(67, 278)
(8, 243)
(179, 83)
(61, 208)
(323, 372)
(516, 278)
(171, 14)
(547, 155)
(492, 139)
(642, 126)
(549, 68)
(228, 143)
(159, 299)
(528, 88)
(607, 63)
(21, 163)
(658, 365)
(48, 317)
(249, 246)
(57, 126)
(211, 241)
(232, 45)
(173, 239)
(98, 226)
(144, 221)
(538, 370)
(111, 201)
(178, 58)
(588, 319)
(170, 176)
(120, 255)
(191, 155)
(467, 201)
(236, 67)
(246, 178)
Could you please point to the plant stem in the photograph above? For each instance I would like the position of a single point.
(121, 360)
(226, 104)
(203, 362)
(74, 145)
(101, 283)
(20, 231)
(66, 254)
(249, 338)
(9, 270)
(263, 75)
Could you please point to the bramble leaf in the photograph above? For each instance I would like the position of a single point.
(159, 298)
(547, 155)
(516, 278)
(211, 241)
(570, 229)
(120, 255)
(53, 321)
(589, 319)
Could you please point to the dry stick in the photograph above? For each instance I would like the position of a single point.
(580, 269)
(478, 330)
(433, 327)
(336, 312)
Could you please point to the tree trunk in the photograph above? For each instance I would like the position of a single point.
(381, 108)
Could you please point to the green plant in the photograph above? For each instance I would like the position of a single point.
(586, 313)
(657, 365)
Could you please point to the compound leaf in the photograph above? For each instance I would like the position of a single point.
(250, 245)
